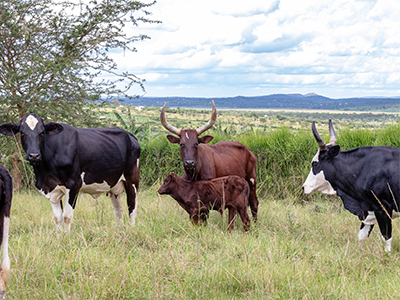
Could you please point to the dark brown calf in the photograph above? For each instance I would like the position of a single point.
(199, 197)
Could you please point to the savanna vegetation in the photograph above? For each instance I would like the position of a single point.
(302, 247)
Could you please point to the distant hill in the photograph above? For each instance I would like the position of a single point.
(281, 101)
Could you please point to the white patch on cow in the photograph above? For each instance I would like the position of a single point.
(31, 121)
(68, 212)
(104, 187)
(134, 211)
(55, 195)
(316, 157)
(116, 202)
(317, 183)
(5, 259)
(387, 244)
(368, 222)
(370, 219)
(187, 136)
(252, 181)
(137, 163)
(363, 233)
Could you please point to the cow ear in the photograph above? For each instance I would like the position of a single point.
(334, 151)
(9, 129)
(53, 128)
(173, 139)
(205, 139)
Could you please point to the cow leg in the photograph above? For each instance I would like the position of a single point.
(116, 202)
(366, 227)
(365, 231)
(385, 226)
(132, 175)
(71, 196)
(5, 259)
(253, 201)
(58, 213)
(245, 218)
(232, 217)
(132, 201)
(56, 204)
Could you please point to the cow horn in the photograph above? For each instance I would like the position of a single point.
(332, 134)
(166, 125)
(210, 123)
(320, 141)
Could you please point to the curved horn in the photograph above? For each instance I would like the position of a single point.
(210, 123)
(333, 139)
(166, 125)
(320, 141)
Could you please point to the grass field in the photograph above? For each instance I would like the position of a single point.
(307, 250)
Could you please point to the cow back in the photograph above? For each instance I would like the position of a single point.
(224, 159)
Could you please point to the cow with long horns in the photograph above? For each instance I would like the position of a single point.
(205, 162)
(367, 179)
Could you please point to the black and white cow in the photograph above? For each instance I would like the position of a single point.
(68, 160)
(367, 179)
(6, 190)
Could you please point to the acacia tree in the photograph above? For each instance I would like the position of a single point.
(54, 54)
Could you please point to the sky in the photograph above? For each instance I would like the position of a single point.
(226, 48)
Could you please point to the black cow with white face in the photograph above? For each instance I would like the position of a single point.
(68, 160)
(367, 179)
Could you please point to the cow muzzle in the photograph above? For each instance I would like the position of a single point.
(191, 164)
(33, 158)
(190, 168)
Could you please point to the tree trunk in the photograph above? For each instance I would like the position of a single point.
(16, 173)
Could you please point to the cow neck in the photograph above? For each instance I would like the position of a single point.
(345, 171)
(184, 186)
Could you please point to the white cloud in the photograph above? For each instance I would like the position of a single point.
(337, 48)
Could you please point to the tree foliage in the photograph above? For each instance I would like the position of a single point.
(54, 57)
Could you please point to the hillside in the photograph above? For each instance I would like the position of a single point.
(278, 101)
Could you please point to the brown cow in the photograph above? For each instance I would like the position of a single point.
(199, 197)
(6, 190)
(205, 162)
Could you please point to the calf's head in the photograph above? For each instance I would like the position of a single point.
(33, 131)
(320, 165)
(189, 140)
(169, 185)
(172, 185)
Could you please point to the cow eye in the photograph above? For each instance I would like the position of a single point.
(182, 145)
(196, 145)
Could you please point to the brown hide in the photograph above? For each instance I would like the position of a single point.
(197, 198)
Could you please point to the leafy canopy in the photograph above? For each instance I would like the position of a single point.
(54, 57)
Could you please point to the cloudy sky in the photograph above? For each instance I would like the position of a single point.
(218, 48)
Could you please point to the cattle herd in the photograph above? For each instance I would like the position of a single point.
(68, 160)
